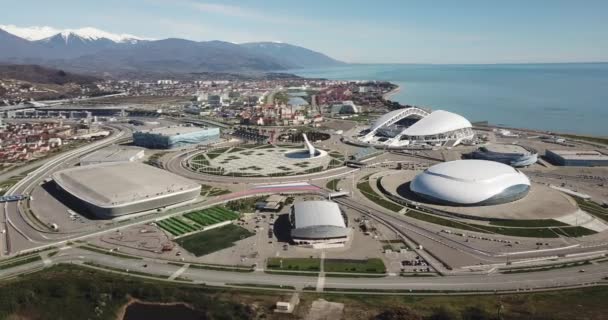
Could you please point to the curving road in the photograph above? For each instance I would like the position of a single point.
(19, 231)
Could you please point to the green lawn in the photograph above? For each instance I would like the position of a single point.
(7, 184)
(369, 193)
(299, 264)
(14, 262)
(592, 208)
(332, 184)
(373, 265)
(213, 240)
(547, 232)
(529, 223)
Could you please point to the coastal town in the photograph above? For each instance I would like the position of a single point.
(295, 101)
(312, 160)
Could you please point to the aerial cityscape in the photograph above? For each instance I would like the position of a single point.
(151, 171)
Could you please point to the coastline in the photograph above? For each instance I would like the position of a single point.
(391, 93)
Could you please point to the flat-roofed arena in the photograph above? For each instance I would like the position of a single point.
(108, 190)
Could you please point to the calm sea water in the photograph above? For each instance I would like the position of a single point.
(558, 97)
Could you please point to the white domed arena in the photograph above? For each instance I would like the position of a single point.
(470, 183)
(414, 126)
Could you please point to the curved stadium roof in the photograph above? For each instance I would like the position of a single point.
(471, 182)
(400, 114)
(317, 213)
(436, 123)
(318, 220)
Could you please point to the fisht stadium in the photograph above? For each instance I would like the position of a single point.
(417, 127)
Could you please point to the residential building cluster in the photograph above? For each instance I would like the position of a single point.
(21, 142)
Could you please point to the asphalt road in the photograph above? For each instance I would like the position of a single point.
(564, 277)
(19, 232)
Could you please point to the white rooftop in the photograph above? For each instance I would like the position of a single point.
(317, 213)
(437, 122)
(471, 170)
(119, 183)
(580, 154)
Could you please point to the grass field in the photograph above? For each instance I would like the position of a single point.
(529, 223)
(332, 184)
(370, 194)
(196, 220)
(543, 232)
(17, 261)
(7, 184)
(301, 264)
(177, 226)
(213, 240)
(373, 265)
(592, 208)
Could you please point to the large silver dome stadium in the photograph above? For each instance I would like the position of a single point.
(470, 183)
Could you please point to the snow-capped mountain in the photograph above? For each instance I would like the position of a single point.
(68, 44)
(35, 33)
(90, 50)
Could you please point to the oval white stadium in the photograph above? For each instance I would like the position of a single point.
(416, 126)
(112, 189)
(470, 183)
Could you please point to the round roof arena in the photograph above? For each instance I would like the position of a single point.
(471, 183)
(317, 220)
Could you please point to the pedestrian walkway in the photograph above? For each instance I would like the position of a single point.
(321, 279)
(179, 272)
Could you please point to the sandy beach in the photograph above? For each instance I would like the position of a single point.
(391, 93)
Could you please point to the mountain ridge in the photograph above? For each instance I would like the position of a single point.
(94, 53)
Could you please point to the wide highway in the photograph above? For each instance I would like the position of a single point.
(562, 277)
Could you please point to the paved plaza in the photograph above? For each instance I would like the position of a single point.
(263, 161)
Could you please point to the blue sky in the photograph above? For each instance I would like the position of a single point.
(380, 31)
